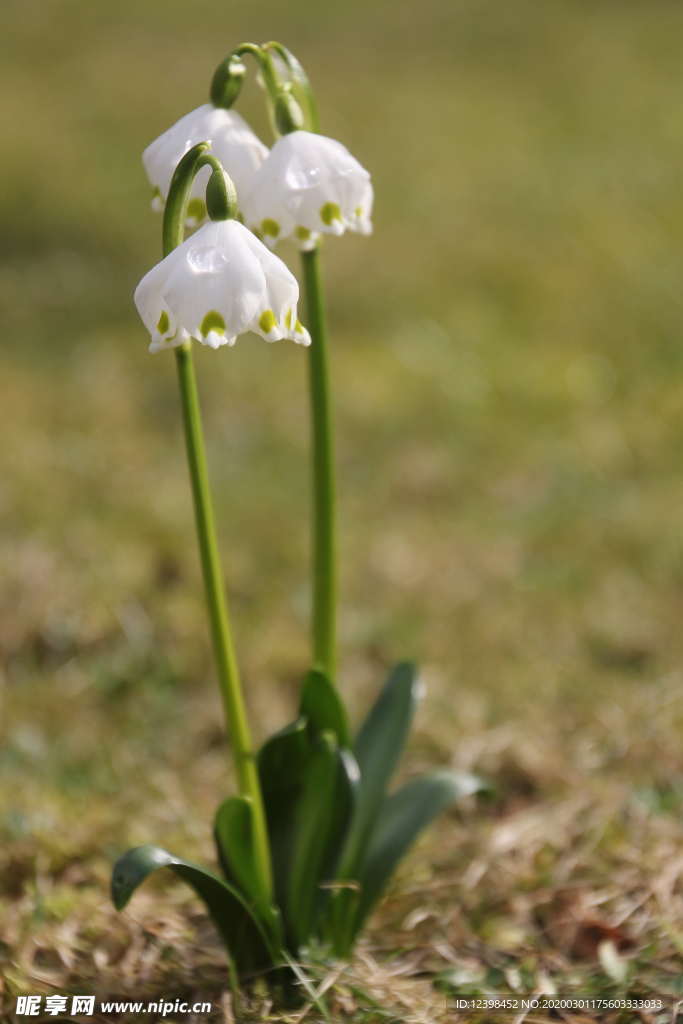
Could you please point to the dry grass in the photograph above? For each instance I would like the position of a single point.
(528, 893)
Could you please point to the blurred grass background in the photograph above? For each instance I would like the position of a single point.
(508, 362)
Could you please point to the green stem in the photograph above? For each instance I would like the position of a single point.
(323, 483)
(226, 662)
(324, 538)
(228, 76)
(299, 80)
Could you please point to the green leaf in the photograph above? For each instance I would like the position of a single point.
(282, 765)
(345, 797)
(282, 758)
(234, 832)
(323, 707)
(401, 819)
(321, 819)
(246, 941)
(338, 924)
(378, 748)
(287, 769)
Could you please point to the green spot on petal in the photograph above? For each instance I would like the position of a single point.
(196, 208)
(330, 212)
(288, 319)
(303, 234)
(267, 321)
(213, 321)
(163, 323)
(359, 211)
(298, 326)
(270, 227)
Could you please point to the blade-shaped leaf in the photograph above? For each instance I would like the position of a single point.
(234, 833)
(338, 924)
(323, 707)
(247, 942)
(321, 818)
(401, 819)
(282, 758)
(345, 796)
(282, 764)
(378, 748)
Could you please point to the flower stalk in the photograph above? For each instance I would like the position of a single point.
(324, 620)
(221, 200)
(310, 185)
(323, 483)
(284, 108)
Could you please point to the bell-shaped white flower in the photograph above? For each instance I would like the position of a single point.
(216, 285)
(232, 142)
(308, 185)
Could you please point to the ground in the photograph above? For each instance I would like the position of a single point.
(507, 366)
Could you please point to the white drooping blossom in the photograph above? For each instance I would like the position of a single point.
(216, 285)
(308, 185)
(232, 142)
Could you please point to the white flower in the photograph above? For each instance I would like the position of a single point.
(232, 142)
(308, 184)
(218, 284)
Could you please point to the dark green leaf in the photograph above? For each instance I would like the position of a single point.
(282, 764)
(282, 758)
(234, 834)
(245, 939)
(378, 748)
(316, 824)
(337, 927)
(401, 819)
(345, 796)
(332, 900)
(323, 707)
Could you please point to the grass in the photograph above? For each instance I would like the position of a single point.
(510, 438)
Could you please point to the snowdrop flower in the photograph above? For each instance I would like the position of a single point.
(232, 141)
(216, 285)
(308, 185)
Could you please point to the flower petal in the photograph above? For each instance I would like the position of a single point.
(232, 142)
(308, 184)
(216, 285)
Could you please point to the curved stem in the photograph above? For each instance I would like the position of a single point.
(220, 193)
(300, 81)
(225, 85)
(324, 535)
(264, 62)
(226, 662)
